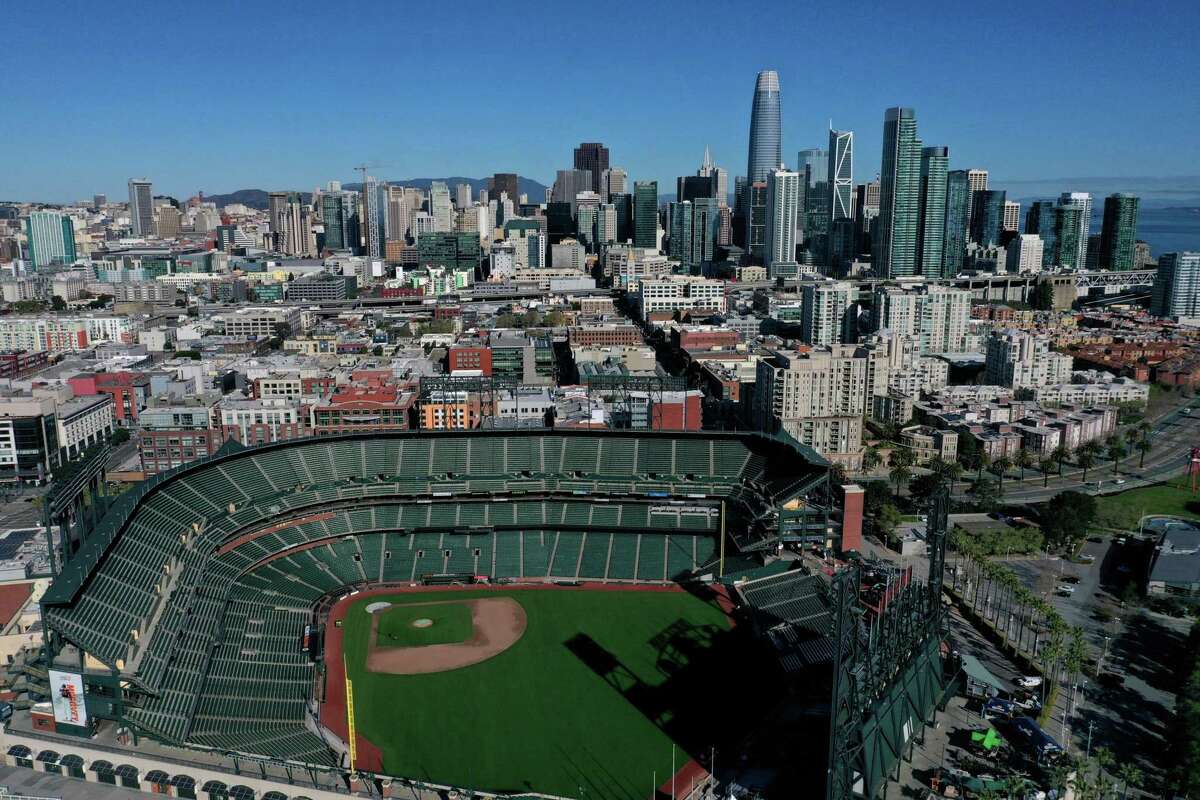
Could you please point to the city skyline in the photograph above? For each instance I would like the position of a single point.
(297, 142)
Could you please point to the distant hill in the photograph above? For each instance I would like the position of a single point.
(257, 198)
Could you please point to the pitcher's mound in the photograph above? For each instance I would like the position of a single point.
(497, 622)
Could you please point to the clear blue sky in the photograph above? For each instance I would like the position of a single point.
(227, 95)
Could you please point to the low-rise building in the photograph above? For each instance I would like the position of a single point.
(83, 422)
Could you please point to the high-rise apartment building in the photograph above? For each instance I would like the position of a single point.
(895, 246)
(766, 136)
(1083, 202)
(1024, 360)
(51, 238)
(372, 219)
(1119, 232)
(1024, 253)
(978, 179)
(277, 218)
(958, 215)
(1059, 227)
(827, 313)
(593, 157)
(645, 214)
(1177, 286)
(339, 214)
(937, 316)
(141, 206)
(1012, 216)
(931, 221)
(783, 208)
(756, 221)
(694, 225)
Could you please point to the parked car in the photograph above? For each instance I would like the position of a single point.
(1065, 589)
(1111, 680)
(1027, 703)
(1069, 579)
(999, 707)
(1087, 558)
(1029, 681)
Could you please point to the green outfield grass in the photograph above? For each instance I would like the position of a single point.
(451, 623)
(593, 695)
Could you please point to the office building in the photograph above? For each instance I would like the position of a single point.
(339, 214)
(671, 293)
(592, 157)
(978, 179)
(694, 225)
(606, 225)
(613, 180)
(783, 208)
(1058, 226)
(622, 203)
(1012, 216)
(895, 246)
(568, 184)
(828, 313)
(1083, 202)
(141, 206)
(937, 316)
(756, 221)
(840, 175)
(277, 218)
(645, 214)
(51, 238)
(1119, 232)
(690, 187)
(931, 214)
(766, 136)
(451, 251)
(1023, 360)
(440, 207)
(462, 196)
(720, 177)
(1177, 286)
(505, 183)
(29, 448)
(987, 217)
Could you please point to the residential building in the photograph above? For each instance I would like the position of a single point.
(1024, 361)
(1082, 201)
(83, 422)
(1024, 253)
(987, 217)
(1119, 232)
(783, 209)
(1012, 216)
(931, 219)
(1177, 286)
(828, 313)
(51, 238)
(958, 215)
(895, 247)
(926, 443)
(937, 316)
(680, 293)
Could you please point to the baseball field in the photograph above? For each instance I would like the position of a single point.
(565, 691)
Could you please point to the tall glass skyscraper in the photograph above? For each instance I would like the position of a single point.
(931, 227)
(645, 214)
(840, 174)
(51, 238)
(895, 247)
(1119, 233)
(987, 217)
(1083, 202)
(958, 212)
(766, 136)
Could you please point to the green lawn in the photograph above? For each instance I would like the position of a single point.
(451, 624)
(1125, 509)
(571, 704)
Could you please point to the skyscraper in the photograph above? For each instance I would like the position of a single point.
(694, 231)
(1083, 202)
(277, 218)
(895, 246)
(645, 214)
(141, 206)
(783, 207)
(1177, 286)
(1012, 215)
(371, 219)
(978, 178)
(766, 136)
(813, 218)
(958, 212)
(440, 207)
(1119, 232)
(840, 174)
(51, 238)
(720, 176)
(505, 182)
(568, 184)
(592, 156)
(756, 221)
(987, 217)
(931, 224)
(613, 181)
(622, 203)
(462, 196)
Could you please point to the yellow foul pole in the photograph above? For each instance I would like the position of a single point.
(350, 715)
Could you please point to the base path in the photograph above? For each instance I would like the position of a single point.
(497, 623)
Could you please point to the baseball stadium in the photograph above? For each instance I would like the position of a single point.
(555, 613)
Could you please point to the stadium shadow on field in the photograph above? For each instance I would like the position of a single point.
(712, 686)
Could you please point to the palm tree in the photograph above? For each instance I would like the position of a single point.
(1000, 466)
(1132, 435)
(1024, 460)
(985, 461)
(1143, 446)
(1129, 775)
(1085, 459)
(946, 471)
(1116, 451)
(871, 459)
(900, 474)
(1060, 454)
(1046, 466)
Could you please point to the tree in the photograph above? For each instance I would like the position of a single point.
(1060, 454)
(58, 304)
(968, 452)
(1085, 458)
(1143, 446)
(119, 436)
(922, 487)
(1024, 460)
(1116, 451)
(947, 471)
(985, 461)
(1046, 466)
(1067, 517)
(1000, 466)
(900, 475)
(871, 459)
(1042, 298)
(837, 475)
(985, 494)
(886, 521)
(1129, 775)
(28, 306)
